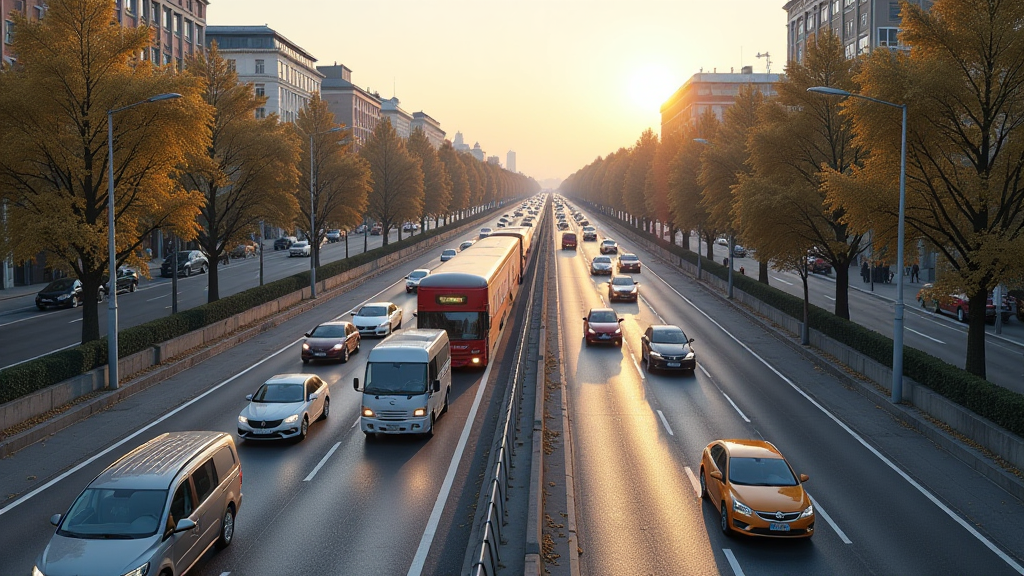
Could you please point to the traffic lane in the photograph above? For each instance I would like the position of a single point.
(636, 507)
(877, 489)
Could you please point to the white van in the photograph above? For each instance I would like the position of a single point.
(408, 381)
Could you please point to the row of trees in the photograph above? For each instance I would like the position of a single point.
(801, 173)
(202, 167)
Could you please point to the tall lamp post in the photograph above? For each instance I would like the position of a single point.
(897, 339)
(112, 276)
(732, 237)
(312, 212)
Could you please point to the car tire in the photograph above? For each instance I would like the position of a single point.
(41, 307)
(303, 429)
(358, 344)
(202, 269)
(344, 353)
(370, 436)
(447, 393)
(430, 432)
(74, 302)
(703, 484)
(399, 324)
(961, 315)
(935, 307)
(305, 360)
(650, 369)
(586, 342)
(188, 271)
(133, 286)
(725, 522)
(327, 409)
(227, 528)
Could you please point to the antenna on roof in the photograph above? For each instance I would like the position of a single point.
(768, 58)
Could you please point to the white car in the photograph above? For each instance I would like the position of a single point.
(448, 254)
(300, 248)
(485, 232)
(601, 265)
(378, 319)
(412, 281)
(284, 406)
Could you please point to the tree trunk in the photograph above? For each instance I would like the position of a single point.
(804, 273)
(975, 363)
(213, 290)
(762, 272)
(842, 289)
(710, 246)
(90, 308)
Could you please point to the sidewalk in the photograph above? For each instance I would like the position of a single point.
(32, 289)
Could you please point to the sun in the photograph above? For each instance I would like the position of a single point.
(650, 86)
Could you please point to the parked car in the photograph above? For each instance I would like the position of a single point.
(361, 229)
(62, 293)
(818, 265)
(563, 225)
(127, 281)
(447, 254)
(189, 262)
(377, 230)
(623, 287)
(608, 246)
(334, 340)
(284, 406)
(601, 265)
(465, 245)
(300, 248)
(664, 346)
(334, 236)
(156, 510)
(589, 234)
(602, 325)
(244, 250)
(629, 262)
(755, 490)
(378, 319)
(284, 242)
(959, 305)
(722, 241)
(568, 240)
(412, 281)
(739, 251)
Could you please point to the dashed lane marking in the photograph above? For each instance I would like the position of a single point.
(821, 511)
(665, 422)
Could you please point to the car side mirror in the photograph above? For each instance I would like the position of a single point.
(621, 319)
(306, 334)
(437, 385)
(804, 477)
(636, 283)
(184, 525)
(355, 384)
(406, 277)
(248, 397)
(716, 474)
(55, 519)
(313, 396)
(644, 338)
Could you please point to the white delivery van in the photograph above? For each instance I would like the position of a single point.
(407, 384)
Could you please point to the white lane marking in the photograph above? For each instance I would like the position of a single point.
(742, 415)
(636, 365)
(322, 462)
(830, 298)
(665, 422)
(693, 480)
(704, 370)
(781, 280)
(732, 562)
(356, 423)
(41, 355)
(75, 320)
(821, 511)
(21, 320)
(225, 573)
(133, 435)
(653, 310)
(420, 559)
(159, 297)
(924, 491)
(925, 335)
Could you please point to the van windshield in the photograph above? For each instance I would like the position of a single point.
(109, 514)
(396, 378)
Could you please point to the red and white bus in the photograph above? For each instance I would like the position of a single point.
(470, 297)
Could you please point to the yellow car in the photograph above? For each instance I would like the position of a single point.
(755, 490)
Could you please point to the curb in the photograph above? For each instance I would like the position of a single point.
(570, 473)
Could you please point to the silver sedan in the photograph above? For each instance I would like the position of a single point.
(283, 407)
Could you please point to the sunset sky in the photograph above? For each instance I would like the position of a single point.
(558, 81)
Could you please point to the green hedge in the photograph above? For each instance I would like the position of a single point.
(1001, 406)
(34, 375)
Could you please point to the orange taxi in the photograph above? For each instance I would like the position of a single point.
(755, 490)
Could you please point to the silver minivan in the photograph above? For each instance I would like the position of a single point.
(155, 511)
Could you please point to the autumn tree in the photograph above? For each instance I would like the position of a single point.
(397, 191)
(640, 158)
(800, 138)
(656, 185)
(457, 174)
(473, 175)
(685, 193)
(247, 173)
(437, 184)
(614, 179)
(962, 83)
(74, 66)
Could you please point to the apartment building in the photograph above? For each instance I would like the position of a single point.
(401, 120)
(862, 25)
(351, 105)
(510, 161)
(430, 127)
(277, 67)
(710, 91)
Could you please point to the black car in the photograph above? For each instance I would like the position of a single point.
(666, 347)
(62, 293)
(127, 281)
(284, 242)
(189, 262)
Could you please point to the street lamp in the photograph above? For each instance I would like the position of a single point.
(312, 212)
(732, 237)
(897, 339)
(112, 275)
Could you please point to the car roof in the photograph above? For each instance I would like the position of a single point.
(427, 270)
(289, 378)
(592, 310)
(154, 464)
(448, 250)
(750, 449)
(376, 304)
(628, 255)
(626, 276)
(334, 323)
(603, 258)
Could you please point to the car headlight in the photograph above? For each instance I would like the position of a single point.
(63, 296)
(37, 572)
(383, 324)
(591, 331)
(305, 346)
(741, 508)
(338, 346)
(368, 413)
(140, 571)
(633, 291)
(654, 354)
(242, 419)
(618, 330)
(689, 356)
(809, 511)
(419, 412)
(291, 419)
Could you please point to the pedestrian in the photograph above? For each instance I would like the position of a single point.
(915, 273)
(865, 272)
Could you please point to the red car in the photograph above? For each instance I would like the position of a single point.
(959, 306)
(568, 240)
(629, 263)
(331, 341)
(601, 325)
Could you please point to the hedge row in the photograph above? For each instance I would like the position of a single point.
(34, 375)
(1001, 406)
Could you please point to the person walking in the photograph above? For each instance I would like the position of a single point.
(915, 273)
(865, 272)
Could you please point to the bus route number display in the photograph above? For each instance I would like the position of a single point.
(451, 299)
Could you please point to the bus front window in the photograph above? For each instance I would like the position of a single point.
(458, 325)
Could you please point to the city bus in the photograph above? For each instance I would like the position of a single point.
(470, 297)
(525, 236)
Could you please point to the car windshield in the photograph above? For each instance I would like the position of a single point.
(602, 260)
(182, 256)
(448, 252)
(328, 331)
(417, 274)
(622, 281)
(760, 472)
(465, 245)
(458, 325)
(299, 244)
(271, 393)
(603, 317)
(629, 257)
(668, 336)
(373, 311)
(121, 514)
(609, 242)
(396, 378)
(62, 284)
(485, 229)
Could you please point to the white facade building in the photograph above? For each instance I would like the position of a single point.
(430, 127)
(459, 143)
(510, 161)
(401, 120)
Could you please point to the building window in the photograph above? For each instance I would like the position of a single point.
(851, 51)
(168, 20)
(199, 34)
(261, 90)
(8, 31)
(179, 64)
(177, 25)
(888, 37)
(823, 17)
(260, 67)
(863, 21)
(132, 6)
(849, 29)
(188, 30)
(894, 11)
(835, 7)
(231, 66)
(864, 44)
(848, 3)
(40, 12)
(261, 112)
(167, 58)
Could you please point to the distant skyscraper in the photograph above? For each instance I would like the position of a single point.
(477, 152)
(510, 161)
(494, 160)
(459, 143)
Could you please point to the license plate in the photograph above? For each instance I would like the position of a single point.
(605, 336)
(673, 364)
(386, 428)
(261, 431)
(778, 527)
(319, 353)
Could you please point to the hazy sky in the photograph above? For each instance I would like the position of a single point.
(558, 81)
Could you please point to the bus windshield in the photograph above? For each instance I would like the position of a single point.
(458, 325)
(396, 378)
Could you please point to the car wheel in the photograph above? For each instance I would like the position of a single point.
(725, 522)
(358, 344)
(586, 342)
(960, 315)
(41, 307)
(133, 286)
(305, 360)
(650, 369)
(399, 324)
(430, 433)
(303, 429)
(327, 408)
(370, 436)
(188, 271)
(344, 353)
(703, 484)
(227, 528)
(935, 307)
(444, 409)
(202, 269)
(74, 301)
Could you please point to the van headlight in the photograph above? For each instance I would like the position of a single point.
(140, 571)
(689, 356)
(367, 413)
(654, 354)
(37, 572)
(383, 324)
(419, 412)
(291, 419)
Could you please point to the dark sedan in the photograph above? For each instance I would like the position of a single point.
(62, 293)
(189, 262)
(629, 263)
(667, 347)
(331, 341)
(127, 281)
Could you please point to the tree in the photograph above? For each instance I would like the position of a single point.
(614, 179)
(801, 137)
(457, 174)
(437, 184)
(962, 83)
(397, 191)
(685, 193)
(656, 186)
(341, 180)
(640, 158)
(247, 173)
(74, 65)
